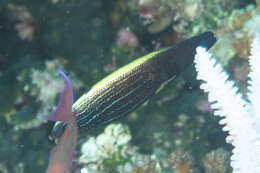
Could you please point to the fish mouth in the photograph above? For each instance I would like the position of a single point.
(54, 139)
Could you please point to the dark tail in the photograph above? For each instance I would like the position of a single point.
(178, 57)
(207, 39)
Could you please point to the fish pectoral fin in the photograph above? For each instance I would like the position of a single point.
(164, 84)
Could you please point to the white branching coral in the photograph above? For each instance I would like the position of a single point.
(240, 118)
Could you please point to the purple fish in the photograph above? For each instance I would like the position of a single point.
(61, 156)
(64, 107)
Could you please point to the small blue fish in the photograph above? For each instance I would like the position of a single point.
(126, 89)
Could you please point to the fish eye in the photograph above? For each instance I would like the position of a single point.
(57, 131)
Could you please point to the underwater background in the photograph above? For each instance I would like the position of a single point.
(174, 132)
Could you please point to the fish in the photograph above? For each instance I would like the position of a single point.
(130, 86)
(61, 156)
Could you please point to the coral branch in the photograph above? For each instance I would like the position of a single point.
(239, 117)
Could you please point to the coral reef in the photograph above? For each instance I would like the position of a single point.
(236, 112)
(186, 17)
(25, 27)
(111, 151)
(182, 162)
(235, 36)
(126, 37)
(217, 161)
(43, 90)
(160, 14)
(111, 146)
(91, 39)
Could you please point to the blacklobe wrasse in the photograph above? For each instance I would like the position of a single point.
(127, 88)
